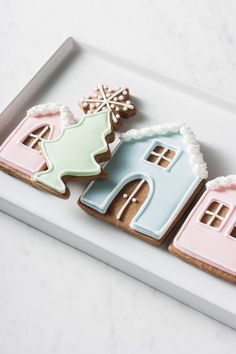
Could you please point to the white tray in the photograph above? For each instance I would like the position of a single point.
(70, 73)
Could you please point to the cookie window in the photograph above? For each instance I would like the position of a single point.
(33, 139)
(161, 156)
(215, 214)
(233, 232)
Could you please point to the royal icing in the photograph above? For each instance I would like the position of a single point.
(170, 183)
(66, 115)
(48, 119)
(193, 148)
(116, 100)
(222, 182)
(129, 199)
(209, 242)
(74, 152)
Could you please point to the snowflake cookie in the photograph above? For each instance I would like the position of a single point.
(117, 100)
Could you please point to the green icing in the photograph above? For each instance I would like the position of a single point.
(73, 152)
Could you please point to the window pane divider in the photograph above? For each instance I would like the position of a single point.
(38, 137)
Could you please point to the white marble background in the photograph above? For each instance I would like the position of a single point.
(53, 298)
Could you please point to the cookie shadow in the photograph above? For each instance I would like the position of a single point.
(217, 164)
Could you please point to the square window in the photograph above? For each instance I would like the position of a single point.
(161, 156)
(214, 214)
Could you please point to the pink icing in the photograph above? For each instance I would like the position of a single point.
(212, 246)
(19, 156)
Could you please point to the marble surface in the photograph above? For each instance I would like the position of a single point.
(53, 298)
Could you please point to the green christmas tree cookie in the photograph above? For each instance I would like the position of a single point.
(76, 153)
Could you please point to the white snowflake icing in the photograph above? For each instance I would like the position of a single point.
(107, 98)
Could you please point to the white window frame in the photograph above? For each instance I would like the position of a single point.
(160, 156)
(214, 214)
(37, 137)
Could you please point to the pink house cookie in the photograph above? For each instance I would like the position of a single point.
(207, 239)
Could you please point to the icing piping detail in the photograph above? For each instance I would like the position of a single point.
(130, 199)
(222, 182)
(193, 147)
(213, 246)
(67, 117)
(58, 155)
(108, 101)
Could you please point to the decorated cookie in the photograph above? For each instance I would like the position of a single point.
(117, 100)
(207, 239)
(49, 146)
(153, 176)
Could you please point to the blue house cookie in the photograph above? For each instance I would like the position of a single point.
(153, 176)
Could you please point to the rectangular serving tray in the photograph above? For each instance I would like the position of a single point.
(72, 71)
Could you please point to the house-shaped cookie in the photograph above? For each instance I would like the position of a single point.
(153, 176)
(207, 239)
(20, 154)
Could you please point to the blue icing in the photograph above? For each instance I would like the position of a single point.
(168, 189)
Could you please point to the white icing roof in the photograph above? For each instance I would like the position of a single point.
(193, 147)
(222, 182)
(67, 117)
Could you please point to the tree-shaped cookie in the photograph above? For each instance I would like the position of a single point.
(76, 153)
(117, 100)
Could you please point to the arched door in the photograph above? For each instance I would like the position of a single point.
(128, 202)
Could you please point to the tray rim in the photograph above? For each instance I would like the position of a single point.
(71, 45)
